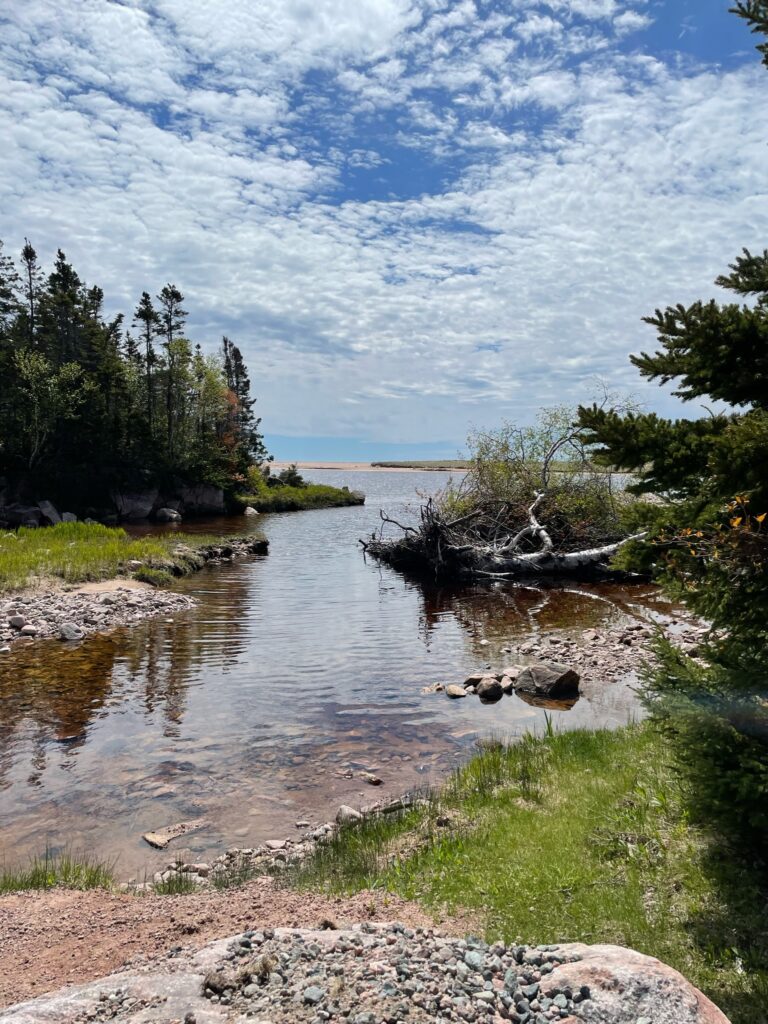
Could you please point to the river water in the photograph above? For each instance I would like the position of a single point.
(294, 671)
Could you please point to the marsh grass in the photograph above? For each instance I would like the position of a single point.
(296, 499)
(577, 836)
(67, 870)
(79, 552)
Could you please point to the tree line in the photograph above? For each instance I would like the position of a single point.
(90, 402)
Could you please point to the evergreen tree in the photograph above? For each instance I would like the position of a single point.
(9, 290)
(32, 286)
(147, 319)
(172, 320)
(708, 538)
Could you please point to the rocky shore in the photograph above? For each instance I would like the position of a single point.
(49, 611)
(382, 974)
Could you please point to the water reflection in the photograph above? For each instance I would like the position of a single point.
(262, 704)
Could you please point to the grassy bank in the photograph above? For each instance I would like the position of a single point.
(296, 499)
(573, 837)
(80, 552)
(52, 870)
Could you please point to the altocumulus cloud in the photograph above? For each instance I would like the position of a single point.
(412, 215)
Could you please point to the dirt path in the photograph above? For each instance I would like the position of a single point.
(60, 937)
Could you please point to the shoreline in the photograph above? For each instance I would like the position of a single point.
(50, 609)
(356, 467)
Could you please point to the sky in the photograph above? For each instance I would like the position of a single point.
(414, 217)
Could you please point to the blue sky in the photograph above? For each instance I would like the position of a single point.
(413, 216)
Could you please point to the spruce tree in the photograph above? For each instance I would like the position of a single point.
(708, 536)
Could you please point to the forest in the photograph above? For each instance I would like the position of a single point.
(91, 402)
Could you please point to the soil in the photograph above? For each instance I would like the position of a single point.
(59, 937)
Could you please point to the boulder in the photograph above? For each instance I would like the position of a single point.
(489, 689)
(22, 515)
(136, 505)
(203, 499)
(475, 679)
(167, 515)
(553, 680)
(507, 684)
(49, 512)
(17, 621)
(346, 814)
(455, 692)
(248, 511)
(68, 517)
(626, 987)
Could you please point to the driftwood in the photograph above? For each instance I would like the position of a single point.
(480, 544)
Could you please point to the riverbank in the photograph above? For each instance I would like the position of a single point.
(567, 838)
(40, 571)
(306, 497)
(570, 837)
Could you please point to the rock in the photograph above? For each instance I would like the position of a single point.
(202, 499)
(29, 630)
(346, 814)
(313, 994)
(68, 517)
(275, 844)
(248, 511)
(49, 512)
(167, 515)
(553, 680)
(17, 621)
(134, 505)
(624, 986)
(455, 692)
(507, 684)
(164, 836)
(22, 515)
(475, 678)
(510, 671)
(70, 631)
(5, 649)
(370, 778)
(489, 689)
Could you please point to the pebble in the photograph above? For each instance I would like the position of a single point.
(387, 973)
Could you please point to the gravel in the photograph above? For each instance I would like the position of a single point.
(389, 973)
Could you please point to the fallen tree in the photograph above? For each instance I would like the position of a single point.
(531, 504)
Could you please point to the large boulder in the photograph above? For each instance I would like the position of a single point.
(49, 512)
(605, 985)
(22, 515)
(135, 504)
(558, 682)
(203, 500)
(626, 987)
(167, 515)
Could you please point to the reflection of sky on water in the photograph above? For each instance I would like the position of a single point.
(249, 709)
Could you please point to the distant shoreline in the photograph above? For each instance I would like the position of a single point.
(372, 467)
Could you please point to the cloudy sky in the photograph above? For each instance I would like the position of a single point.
(412, 215)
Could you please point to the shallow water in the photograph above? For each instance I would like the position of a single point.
(294, 669)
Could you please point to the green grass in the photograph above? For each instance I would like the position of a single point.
(296, 499)
(77, 552)
(65, 870)
(577, 836)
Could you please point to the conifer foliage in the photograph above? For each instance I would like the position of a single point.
(87, 405)
(709, 529)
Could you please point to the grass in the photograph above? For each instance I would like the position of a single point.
(578, 836)
(78, 552)
(558, 465)
(296, 499)
(65, 870)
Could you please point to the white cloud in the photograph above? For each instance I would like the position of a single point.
(551, 190)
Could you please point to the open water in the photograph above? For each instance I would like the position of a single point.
(294, 671)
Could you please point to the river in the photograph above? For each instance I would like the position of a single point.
(294, 671)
